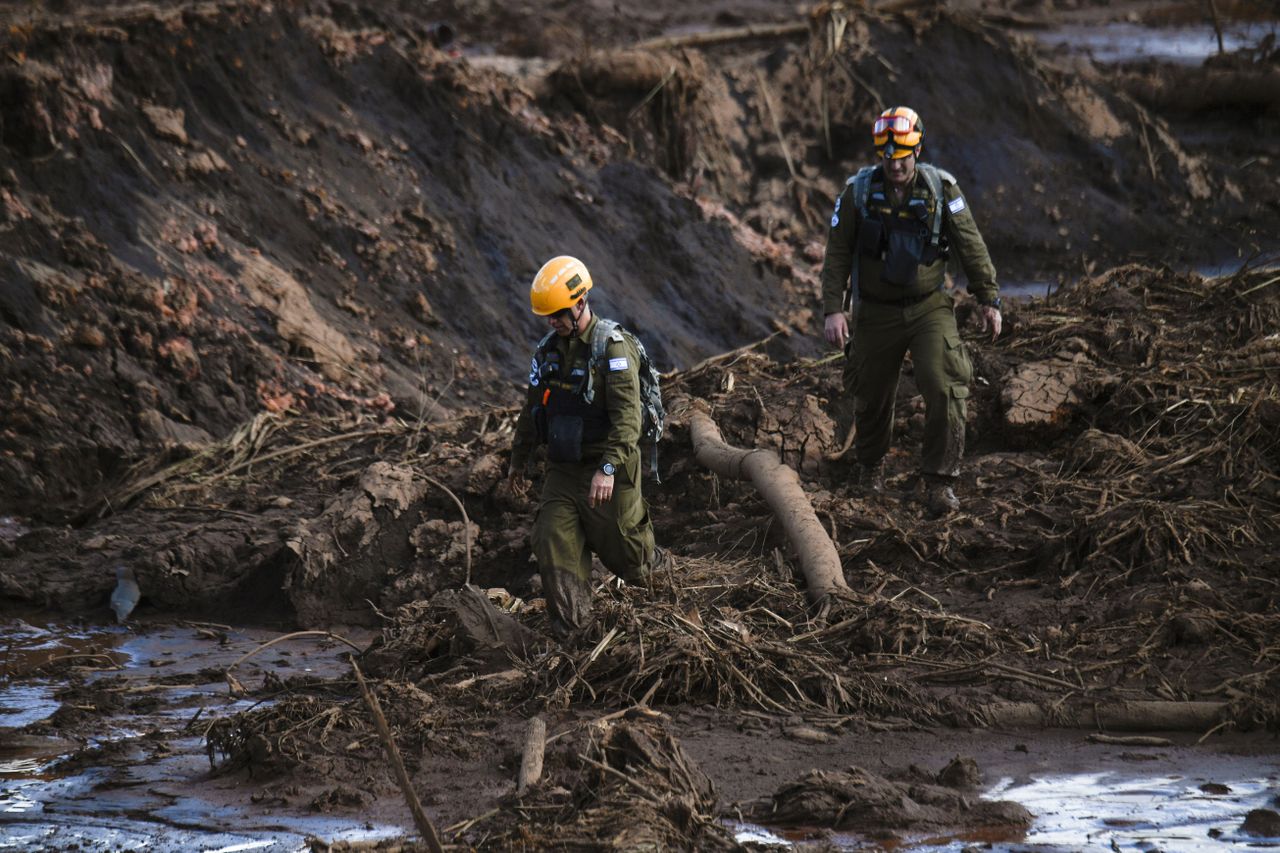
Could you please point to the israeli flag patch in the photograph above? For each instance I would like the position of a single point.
(835, 217)
(533, 373)
(616, 364)
(955, 205)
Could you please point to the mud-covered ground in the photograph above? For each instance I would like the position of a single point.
(263, 320)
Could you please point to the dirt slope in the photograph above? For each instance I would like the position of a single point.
(215, 210)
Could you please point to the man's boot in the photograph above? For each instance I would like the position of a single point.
(941, 498)
(870, 478)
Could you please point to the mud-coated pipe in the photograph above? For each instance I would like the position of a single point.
(780, 487)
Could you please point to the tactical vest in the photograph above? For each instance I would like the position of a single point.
(906, 238)
(574, 396)
(565, 416)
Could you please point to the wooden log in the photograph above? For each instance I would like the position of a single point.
(726, 36)
(780, 486)
(535, 744)
(1138, 716)
(1129, 740)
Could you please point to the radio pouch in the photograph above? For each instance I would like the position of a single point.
(902, 258)
(869, 233)
(564, 438)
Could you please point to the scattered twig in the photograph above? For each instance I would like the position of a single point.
(294, 635)
(466, 522)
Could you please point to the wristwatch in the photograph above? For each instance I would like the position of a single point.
(608, 469)
(993, 302)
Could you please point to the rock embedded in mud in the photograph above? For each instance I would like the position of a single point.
(859, 800)
(1262, 822)
(167, 123)
(960, 772)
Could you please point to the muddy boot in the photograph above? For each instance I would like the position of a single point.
(661, 561)
(941, 498)
(870, 478)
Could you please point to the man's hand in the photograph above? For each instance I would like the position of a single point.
(990, 320)
(601, 488)
(836, 330)
(517, 484)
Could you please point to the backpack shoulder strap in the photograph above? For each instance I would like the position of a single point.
(933, 178)
(604, 332)
(861, 183)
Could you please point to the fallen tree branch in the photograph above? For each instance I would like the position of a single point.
(726, 36)
(1150, 716)
(535, 744)
(780, 486)
(244, 657)
(425, 827)
(1130, 740)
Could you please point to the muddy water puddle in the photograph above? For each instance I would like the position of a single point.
(1107, 810)
(1118, 42)
(131, 772)
(101, 744)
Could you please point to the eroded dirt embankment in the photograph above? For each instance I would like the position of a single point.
(213, 210)
(217, 210)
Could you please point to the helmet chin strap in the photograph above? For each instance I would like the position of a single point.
(578, 310)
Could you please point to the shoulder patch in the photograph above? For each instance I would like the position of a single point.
(835, 217)
(955, 205)
(533, 373)
(616, 364)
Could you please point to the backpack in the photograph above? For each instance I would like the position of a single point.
(653, 413)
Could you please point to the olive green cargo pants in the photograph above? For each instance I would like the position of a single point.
(567, 531)
(882, 336)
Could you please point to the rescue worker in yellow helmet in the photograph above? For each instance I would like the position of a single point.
(589, 418)
(895, 225)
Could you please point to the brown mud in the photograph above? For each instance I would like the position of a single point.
(261, 332)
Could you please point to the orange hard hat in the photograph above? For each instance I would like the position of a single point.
(560, 284)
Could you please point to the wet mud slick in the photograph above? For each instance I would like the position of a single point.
(266, 582)
(105, 750)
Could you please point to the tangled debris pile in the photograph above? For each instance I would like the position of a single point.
(1118, 522)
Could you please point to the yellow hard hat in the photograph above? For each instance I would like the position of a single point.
(560, 283)
(898, 132)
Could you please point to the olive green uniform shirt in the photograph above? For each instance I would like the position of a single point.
(958, 226)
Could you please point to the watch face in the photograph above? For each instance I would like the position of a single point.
(608, 468)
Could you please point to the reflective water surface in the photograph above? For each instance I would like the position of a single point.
(1117, 42)
(1101, 811)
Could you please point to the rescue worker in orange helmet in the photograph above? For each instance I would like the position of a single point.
(589, 417)
(895, 224)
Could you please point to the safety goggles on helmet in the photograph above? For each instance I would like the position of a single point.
(897, 132)
(893, 124)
